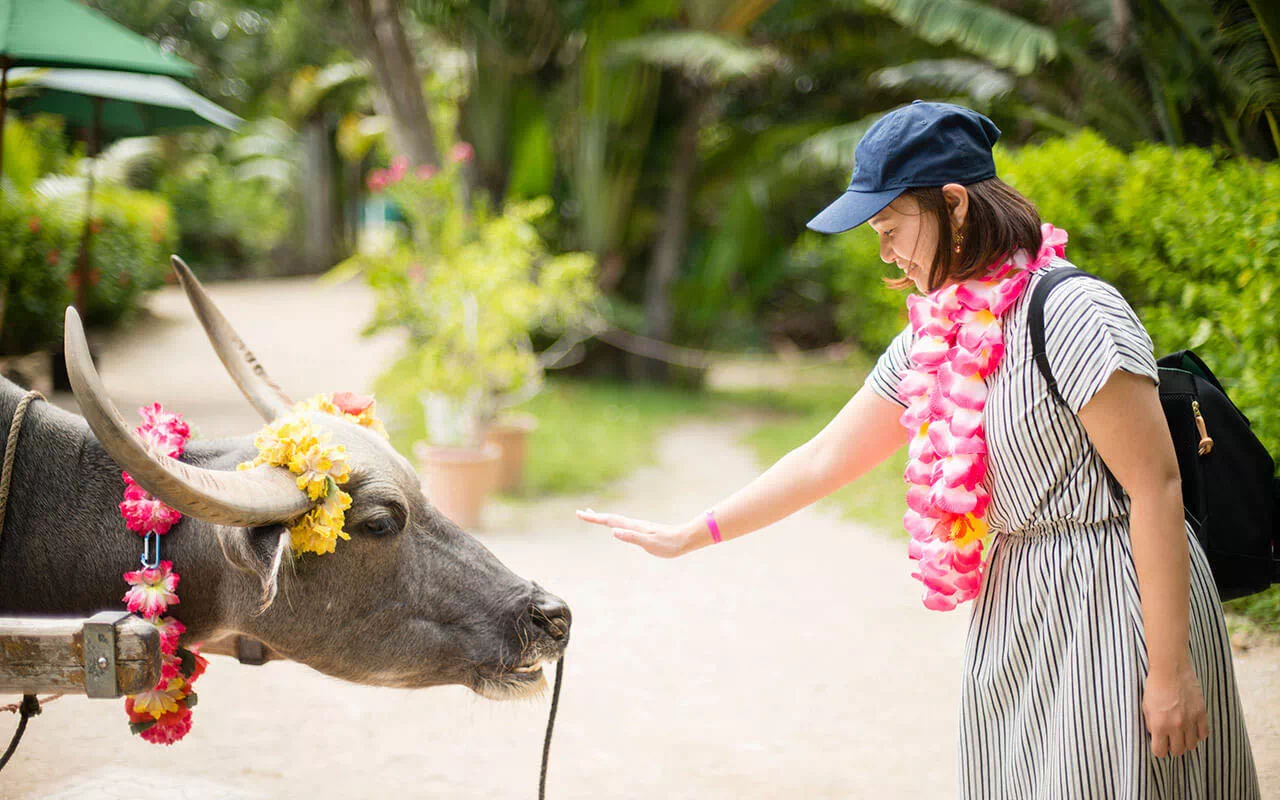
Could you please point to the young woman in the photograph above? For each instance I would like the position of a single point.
(1097, 663)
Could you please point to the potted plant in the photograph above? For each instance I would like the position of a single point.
(467, 287)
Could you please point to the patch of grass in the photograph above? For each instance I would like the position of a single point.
(875, 499)
(589, 433)
(1262, 611)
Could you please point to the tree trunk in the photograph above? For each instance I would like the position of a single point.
(379, 33)
(673, 234)
(321, 223)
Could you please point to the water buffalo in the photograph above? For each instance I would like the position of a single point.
(410, 600)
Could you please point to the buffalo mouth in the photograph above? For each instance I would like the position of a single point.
(525, 678)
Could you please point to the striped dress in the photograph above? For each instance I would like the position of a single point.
(1055, 661)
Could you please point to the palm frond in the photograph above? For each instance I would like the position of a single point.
(973, 79)
(993, 35)
(1268, 16)
(121, 159)
(711, 58)
(69, 189)
(1250, 61)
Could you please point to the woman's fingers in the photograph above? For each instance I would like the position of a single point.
(1159, 745)
(629, 536)
(1202, 730)
(615, 521)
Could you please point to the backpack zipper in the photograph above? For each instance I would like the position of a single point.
(1206, 443)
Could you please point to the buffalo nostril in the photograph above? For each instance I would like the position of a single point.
(552, 615)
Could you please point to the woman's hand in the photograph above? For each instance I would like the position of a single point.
(664, 541)
(1173, 705)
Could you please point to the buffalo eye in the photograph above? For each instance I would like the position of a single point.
(382, 525)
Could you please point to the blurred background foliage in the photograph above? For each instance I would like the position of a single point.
(683, 144)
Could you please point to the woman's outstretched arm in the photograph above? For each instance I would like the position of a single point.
(864, 433)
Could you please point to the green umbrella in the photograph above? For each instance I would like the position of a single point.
(115, 105)
(63, 33)
(119, 104)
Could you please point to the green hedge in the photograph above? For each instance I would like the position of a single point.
(39, 242)
(1192, 239)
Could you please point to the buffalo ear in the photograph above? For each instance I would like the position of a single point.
(264, 540)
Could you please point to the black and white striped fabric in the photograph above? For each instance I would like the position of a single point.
(1056, 658)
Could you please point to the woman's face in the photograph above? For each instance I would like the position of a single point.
(909, 236)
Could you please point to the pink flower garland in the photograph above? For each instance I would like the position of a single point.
(163, 714)
(959, 343)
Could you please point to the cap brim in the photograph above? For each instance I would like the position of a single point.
(851, 209)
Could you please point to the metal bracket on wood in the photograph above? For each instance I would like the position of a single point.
(100, 653)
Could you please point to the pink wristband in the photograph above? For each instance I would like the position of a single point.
(713, 527)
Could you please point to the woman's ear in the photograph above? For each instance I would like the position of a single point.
(957, 198)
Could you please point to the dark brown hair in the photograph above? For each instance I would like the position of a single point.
(1000, 222)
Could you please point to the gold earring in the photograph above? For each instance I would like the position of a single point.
(958, 239)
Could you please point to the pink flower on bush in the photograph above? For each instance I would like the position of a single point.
(399, 168)
(143, 513)
(54, 257)
(425, 172)
(462, 152)
(377, 181)
(153, 590)
(33, 224)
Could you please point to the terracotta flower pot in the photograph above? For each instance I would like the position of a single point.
(457, 479)
(511, 433)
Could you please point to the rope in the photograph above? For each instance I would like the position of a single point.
(29, 708)
(567, 351)
(11, 451)
(551, 725)
(14, 708)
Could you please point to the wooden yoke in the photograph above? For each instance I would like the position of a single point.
(111, 654)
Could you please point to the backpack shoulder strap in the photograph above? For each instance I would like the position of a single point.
(1035, 324)
(1035, 320)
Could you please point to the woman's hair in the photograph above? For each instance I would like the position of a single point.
(999, 223)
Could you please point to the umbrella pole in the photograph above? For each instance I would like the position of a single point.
(82, 263)
(4, 106)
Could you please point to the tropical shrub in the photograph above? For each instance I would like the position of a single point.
(468, 287)
(133, 234)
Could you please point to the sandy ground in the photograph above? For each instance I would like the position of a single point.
(795, 663)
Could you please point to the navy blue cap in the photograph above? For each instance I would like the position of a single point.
(922, 144)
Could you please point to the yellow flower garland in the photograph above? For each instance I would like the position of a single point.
(294, 443)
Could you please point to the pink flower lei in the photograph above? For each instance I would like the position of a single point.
(161, 715)
(959, 342)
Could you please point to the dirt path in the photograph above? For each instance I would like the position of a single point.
(797, 663)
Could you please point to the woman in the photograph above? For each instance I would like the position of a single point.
(1097, 662)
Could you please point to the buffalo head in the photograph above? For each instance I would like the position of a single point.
(409, 600)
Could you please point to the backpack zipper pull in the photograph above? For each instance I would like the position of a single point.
(1206, 443)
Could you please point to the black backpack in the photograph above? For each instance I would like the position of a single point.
(1229, 490)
